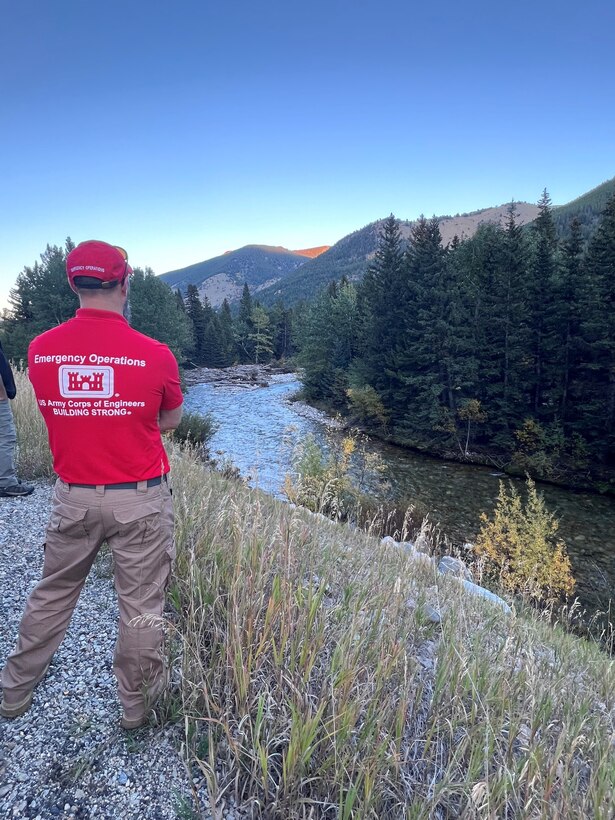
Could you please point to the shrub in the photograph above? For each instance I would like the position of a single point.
(322, 483)
(332, 481)
(521, 546)
(365, 403)
(195, 429)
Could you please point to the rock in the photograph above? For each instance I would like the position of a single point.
(387, 541)
(481, 592)
(422, 560)
(122, 778)
(407, 545)
(432, 614)
(454, 566)
(4, 790)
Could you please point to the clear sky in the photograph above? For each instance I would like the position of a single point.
(182, 130)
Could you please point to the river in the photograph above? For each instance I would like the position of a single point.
(259, 429)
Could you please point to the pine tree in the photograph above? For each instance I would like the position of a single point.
(598, 331)
(565, 323)
(180, 300)
(40, 300)
(383, 301)
(227, 340)
(261, 336)
(281, 324)
(196, 314)
(539, 288)
(509, 382)
(327, 344)
(244, 327)
(423, 360)
(155, 311)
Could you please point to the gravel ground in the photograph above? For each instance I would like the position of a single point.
(67, 757)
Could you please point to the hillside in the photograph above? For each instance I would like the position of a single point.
(313, 252)
(275, 273)
(311, 664)
(351, 255)
(223, 277)
(586, 208)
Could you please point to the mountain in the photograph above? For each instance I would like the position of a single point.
(586, 208)
(223, 277)
(352, 254)
(312, 252)
(275, 273)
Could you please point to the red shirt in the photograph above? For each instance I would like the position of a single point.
(100, 386)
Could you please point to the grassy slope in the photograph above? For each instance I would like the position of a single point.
(314, 679)
(315, 684)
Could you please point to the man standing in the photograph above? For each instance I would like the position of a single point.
(10, 486)
(106, 392)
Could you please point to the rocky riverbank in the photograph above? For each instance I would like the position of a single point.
(241, 375)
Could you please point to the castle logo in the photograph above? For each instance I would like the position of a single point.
(94, 382)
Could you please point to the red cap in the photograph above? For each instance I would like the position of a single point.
(95, 265)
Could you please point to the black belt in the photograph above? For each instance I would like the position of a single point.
(124, 485)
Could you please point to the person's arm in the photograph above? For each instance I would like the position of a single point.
(7, 383)
(169, 419)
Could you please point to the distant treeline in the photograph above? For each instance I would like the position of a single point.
(500, 347)
(197, 333)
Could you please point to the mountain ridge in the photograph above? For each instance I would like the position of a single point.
(276, 273)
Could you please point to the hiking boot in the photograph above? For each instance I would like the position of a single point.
(20, 707)
(16, 490)
(152, 696)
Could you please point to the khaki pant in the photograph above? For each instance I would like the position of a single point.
(138, 526)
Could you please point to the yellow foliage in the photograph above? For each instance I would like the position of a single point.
(521, 546)
(349, 445)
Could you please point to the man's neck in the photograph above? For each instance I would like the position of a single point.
(92, 303)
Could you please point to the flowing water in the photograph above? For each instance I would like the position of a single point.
(259, 429)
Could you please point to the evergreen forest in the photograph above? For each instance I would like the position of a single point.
(198, 335)
(499, 349)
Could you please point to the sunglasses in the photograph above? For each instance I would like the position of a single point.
(125, 257)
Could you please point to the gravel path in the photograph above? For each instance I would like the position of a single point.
(67, 756)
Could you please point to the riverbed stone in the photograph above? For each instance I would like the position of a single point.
(454, 566)
(432, 613)
(481, 592)
(421, 560)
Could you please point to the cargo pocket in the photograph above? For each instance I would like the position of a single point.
(138, 525)
(68, 521)
(168, 523)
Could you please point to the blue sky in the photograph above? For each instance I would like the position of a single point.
(182, 130)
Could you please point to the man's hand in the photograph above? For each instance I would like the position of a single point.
(169, 419)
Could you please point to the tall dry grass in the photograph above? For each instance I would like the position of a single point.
(315, 684)
(33, 457)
